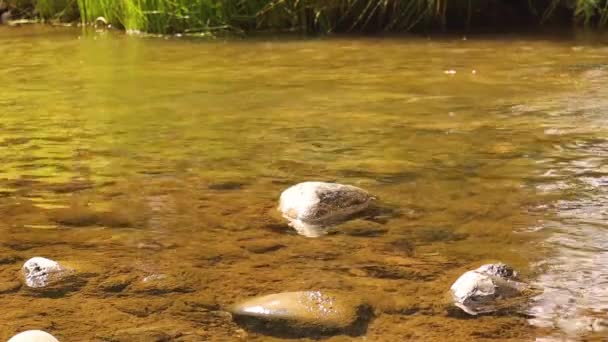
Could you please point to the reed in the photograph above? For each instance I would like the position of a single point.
(319, 16)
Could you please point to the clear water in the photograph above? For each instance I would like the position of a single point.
(162, 160)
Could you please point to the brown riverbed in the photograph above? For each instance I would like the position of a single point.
(133, 159)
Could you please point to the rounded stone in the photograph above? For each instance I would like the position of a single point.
(39, 272)
(486, 288)
(311, 207)
(5, 17)
(302, 309)
(33, 336)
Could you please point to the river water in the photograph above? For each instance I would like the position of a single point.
(153, 167)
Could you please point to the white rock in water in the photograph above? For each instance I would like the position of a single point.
(317, 309)
(40, 271)
(33, 336)
(481, 290)
(310, 207)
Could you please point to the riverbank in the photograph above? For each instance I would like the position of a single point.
(311, 17)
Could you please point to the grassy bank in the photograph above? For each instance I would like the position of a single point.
(316, 16)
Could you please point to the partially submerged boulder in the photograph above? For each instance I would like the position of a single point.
(312, 207)
(486, 289)
(39, 272)
(33, 336)
(303, 313)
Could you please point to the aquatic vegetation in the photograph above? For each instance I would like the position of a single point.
(315, 16)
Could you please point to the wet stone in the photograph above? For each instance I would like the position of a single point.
(47, 278)
(486, 289)
(5, 17)
(303, 313)
(312, 207)
(33, 336)
(39, 272)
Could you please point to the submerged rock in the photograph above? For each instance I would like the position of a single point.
(160, 284)
(486, 289)
(312, 207)
(33, 336)
(303, 313)
(5, 17)
(39, 272)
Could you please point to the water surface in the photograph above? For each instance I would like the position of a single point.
(153, 166)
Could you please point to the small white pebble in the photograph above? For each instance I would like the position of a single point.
(39, 271)
(474, 72)
(450, 72)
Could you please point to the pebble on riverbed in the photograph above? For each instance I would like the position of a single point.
(5, 17)
(303, 313)
(312, 207)
(39, 272)
(33, 336)
(486, 289)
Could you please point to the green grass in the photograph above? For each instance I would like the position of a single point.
(320, 16)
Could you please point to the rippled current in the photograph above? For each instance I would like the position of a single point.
(153, 167)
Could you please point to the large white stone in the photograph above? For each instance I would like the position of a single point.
(33, 336)
(38, 271)
(482, 290)
(311, 207)
(303, 308)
